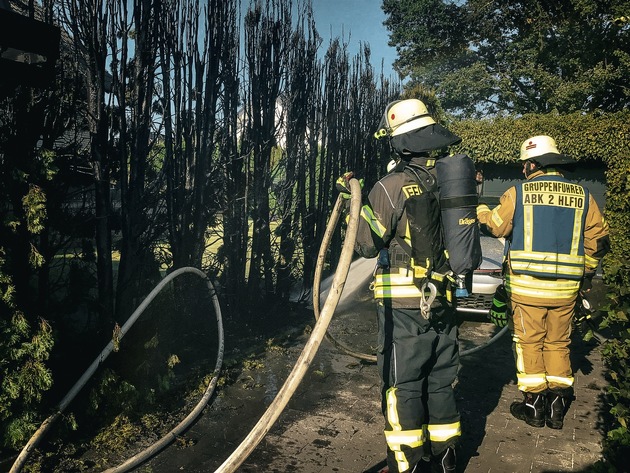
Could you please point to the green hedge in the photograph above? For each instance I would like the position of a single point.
(597, 137)
(593, 136)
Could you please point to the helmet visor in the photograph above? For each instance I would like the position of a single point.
(423, 140)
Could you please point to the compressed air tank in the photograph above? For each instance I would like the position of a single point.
(458, 204)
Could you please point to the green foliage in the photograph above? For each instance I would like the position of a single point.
(24, 376)
(112, 391)
(616, 319)
(488, 57)
(615, 352)
(428, 97)
(25, 340)
(46, 164)
(604, 137)
(24, 351)
(119, 435)
(35, 209)
(165, 380)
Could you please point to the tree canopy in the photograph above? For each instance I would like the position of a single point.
(487, 57)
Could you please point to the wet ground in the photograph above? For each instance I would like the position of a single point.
(333, 421)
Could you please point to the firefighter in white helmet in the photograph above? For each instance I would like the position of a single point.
(417, 353)
(556, 236)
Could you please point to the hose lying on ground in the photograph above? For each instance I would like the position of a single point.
(494, 338)
(308, 353)
(164, 441)
(170, 437)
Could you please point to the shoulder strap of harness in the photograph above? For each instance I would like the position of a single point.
(413, 171)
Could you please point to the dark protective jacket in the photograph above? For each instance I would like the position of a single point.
(417, 357)
(384, 225)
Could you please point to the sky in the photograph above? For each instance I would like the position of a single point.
(356, 22)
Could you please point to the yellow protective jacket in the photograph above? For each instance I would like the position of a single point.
(556, 234)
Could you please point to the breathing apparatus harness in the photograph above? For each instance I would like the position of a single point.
(427, 258)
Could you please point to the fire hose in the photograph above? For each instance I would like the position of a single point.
(312, 345)
(368, 356)
(170, 436)
(295, 377)
(283, 396)
(320, 330)
(321, 258)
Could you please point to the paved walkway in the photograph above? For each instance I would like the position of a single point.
(333, 422)
(342, 431)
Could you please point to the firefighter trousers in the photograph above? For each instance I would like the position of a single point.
(541, 337)
(418, 361)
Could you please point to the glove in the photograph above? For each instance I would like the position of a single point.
(498, 318)
(583, 317)
(343, 184)
(498, 314)
(587, 281)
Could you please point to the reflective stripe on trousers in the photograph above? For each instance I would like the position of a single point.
(418, 402)
(541, 339)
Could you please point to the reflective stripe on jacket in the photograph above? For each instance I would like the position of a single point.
(502, 221)
(383, 219)
(547, 240)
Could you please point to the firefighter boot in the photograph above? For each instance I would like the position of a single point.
(556, 408)
(417, 468)
(445, 462)
(531, 409)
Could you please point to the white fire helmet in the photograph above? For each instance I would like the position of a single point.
(543, 150)
(402, 116)
(537, 146)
